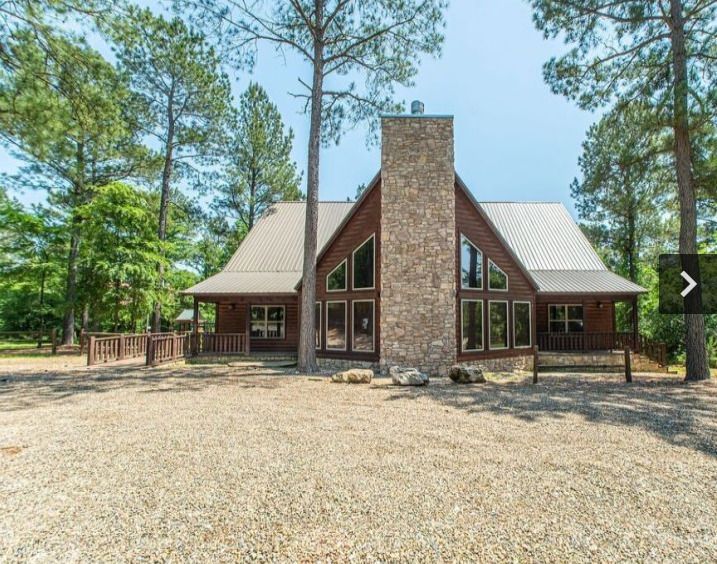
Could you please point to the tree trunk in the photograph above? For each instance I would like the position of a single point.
(42, 307)
(68, 320)
(164, 208)
(697, 367)
(307, 342)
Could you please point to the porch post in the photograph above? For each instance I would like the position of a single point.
(635, 328)
(195, 327)
(247, 328)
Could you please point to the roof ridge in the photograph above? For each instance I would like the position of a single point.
(320, 201)
(517, 202)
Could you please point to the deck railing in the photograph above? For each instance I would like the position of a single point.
(605, 341)
(167, 347)
(223, 343)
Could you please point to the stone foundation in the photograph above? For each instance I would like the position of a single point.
(337, 364)
(509, 364)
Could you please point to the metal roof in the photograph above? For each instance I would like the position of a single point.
(269, 260)
(553, 249)
(543, 236)
(186, 315)
(583, 281)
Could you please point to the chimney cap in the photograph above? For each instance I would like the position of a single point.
(417, 107)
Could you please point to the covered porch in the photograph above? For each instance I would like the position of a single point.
(247, 324)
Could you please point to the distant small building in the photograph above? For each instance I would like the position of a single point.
(184, 320)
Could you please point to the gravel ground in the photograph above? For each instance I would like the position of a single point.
(209, 464)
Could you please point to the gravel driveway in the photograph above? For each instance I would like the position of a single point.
(209, 464)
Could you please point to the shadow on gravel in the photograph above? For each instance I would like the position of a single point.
(27, 390)
(682, 414)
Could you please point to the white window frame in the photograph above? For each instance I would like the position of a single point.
(266, 322)
(482, 264)
(321, 336)
(346, 322)
(346, 280)
(373, 328)
(503, 272)
(530, 325)
(567, 319)
(507, 325)
(353, 264)
(482, 325)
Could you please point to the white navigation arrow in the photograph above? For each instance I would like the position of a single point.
(690, 284)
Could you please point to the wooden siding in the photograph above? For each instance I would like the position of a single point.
(231, 318)
(597, 319)
(366, 221)
(470, 223)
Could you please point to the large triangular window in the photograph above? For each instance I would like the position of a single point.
(471, 265)
(336, 279)
(497, 278)
(363, 265)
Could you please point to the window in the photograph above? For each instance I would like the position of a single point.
(497, 279)
(363, 265)
(336, 326)
(522, 331)
(267, 322)
(336, 279)
(363, 325)
(471, 265)
(471, 325)
(498, 325)
(566, 318)
(317, 325)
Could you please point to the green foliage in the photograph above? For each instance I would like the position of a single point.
(259, 170)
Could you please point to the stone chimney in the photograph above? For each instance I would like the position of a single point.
(418, 243)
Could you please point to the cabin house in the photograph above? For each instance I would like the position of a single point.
(418, 272)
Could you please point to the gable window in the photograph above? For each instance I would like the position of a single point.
(566, 318)
(336, 279)
(363, 325)
(522, 332)
(471, 265)
(317, 325)
(336, 326)
(498, 325)
(497, 278)
(471, 325)
(362, 266)
(267, 322)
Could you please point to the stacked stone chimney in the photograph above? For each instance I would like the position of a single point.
(418, 243)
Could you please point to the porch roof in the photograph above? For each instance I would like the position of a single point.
(583, 282)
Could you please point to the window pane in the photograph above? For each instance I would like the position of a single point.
(336, 280)
(336, 325)
(472, 322)
(575, 326)
(363, 265)
(557, 327)
(575, 312)
(471, 265)
(275, 325)
(317, 325)
(557, 312)
(521, 320)
(497, 279)
(257, 327)
(498, 325)
(363, 326)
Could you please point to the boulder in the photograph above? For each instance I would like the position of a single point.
(402, 376)
(353, 376)
(466, 375)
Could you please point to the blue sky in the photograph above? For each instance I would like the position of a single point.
(515, 140)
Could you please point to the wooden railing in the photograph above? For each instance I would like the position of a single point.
(223, 343)
(570, 342)
(167, 347)
(115, 347)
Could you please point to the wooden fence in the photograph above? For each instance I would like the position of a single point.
(158, 348)
(32, 337)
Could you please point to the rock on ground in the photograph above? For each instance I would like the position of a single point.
(353, 376)
(403, 376)
(466, 375)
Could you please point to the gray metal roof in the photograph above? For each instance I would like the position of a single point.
(583, 281)
(543, 236)
(269, 260)
(186, 315)
(553, 249)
